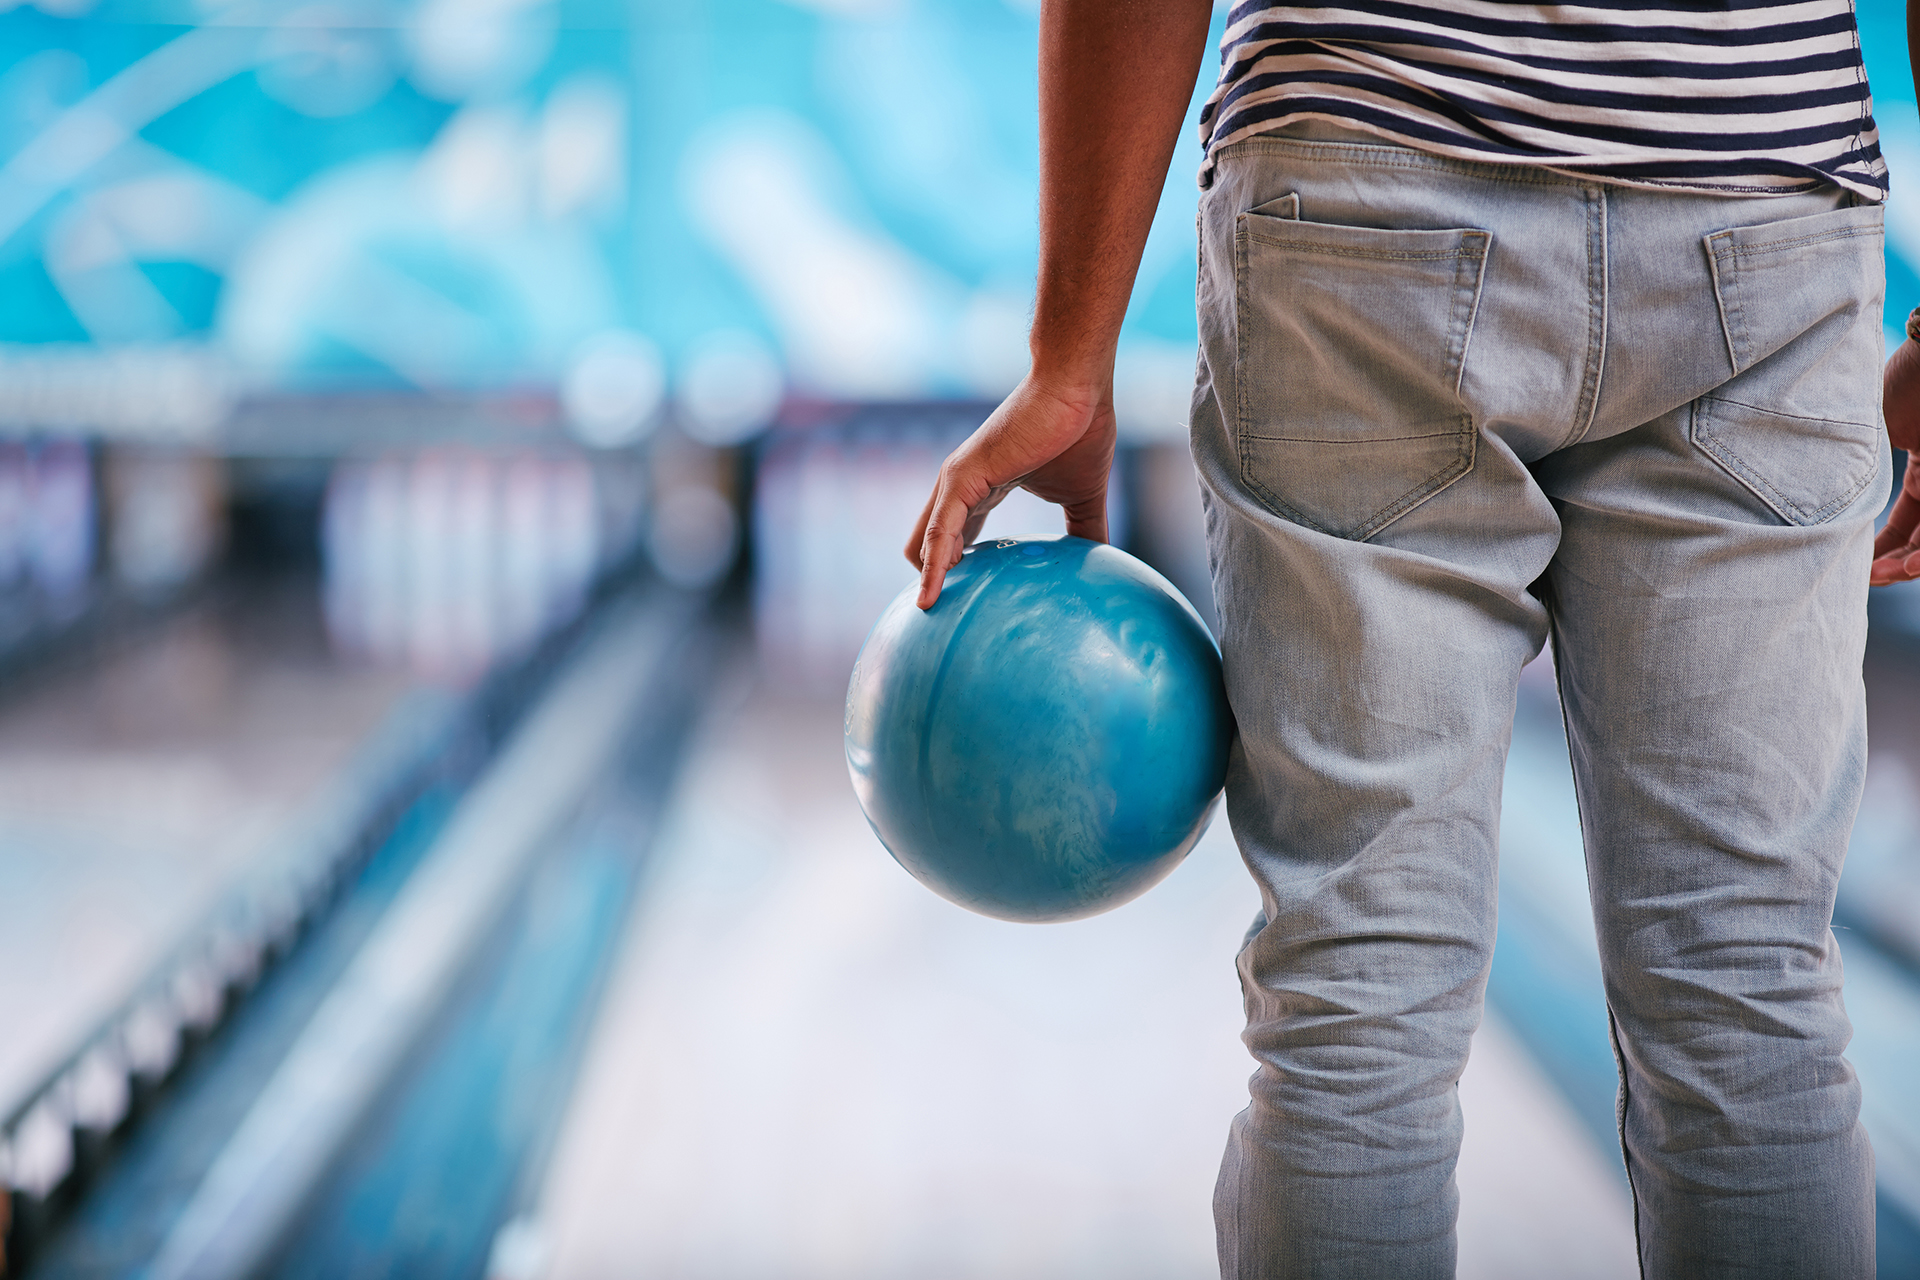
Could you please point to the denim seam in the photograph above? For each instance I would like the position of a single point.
(1560, 681)
(1528, 170)
(1469, 278)
(1385, 157)
(1240, 240)
(1717, 448)
(1724, 268)
(1588, 403)
(1620, 1122)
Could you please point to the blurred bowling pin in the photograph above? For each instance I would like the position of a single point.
(13, 514)
(452, 559)
(60, 522)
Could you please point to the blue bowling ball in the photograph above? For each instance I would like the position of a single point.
(1049, 739)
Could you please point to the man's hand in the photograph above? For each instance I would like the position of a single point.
(1052, 441)
(1115, 80)
(1896, 552)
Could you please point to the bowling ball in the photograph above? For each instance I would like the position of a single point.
(1048, 740)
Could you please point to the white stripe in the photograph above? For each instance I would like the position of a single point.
(1468, 93)
(1600, 54)
(1391, 35)
(1561, 16)
(1593, 150)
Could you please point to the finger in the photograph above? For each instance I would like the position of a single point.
(1088, 518)
(1901, 522)
(1901, 564)
(940, 551)
(980, 509)
(917, 541)
(1900, 395)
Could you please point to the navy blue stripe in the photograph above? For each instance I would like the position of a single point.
(1359, 35)
(1757, 141)
(1655, 170)
(1682, 171)
(1838, 60)
(1599, 99)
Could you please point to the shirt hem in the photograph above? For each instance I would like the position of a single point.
(1734, 187)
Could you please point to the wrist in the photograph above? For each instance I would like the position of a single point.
(1070, 365)
(1081, 386)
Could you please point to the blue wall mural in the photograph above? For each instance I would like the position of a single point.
(645, 197)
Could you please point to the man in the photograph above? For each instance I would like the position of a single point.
(1518, 323)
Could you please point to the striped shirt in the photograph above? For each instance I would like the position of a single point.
(1746, 96)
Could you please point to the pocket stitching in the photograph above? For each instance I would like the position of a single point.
(1425, 435)
(1717, 448)
(1386, 515)
(1793, 242)
(1374, 255)
(1724, 255)
(1240, 341)
(1781, 413)
(1471, 251)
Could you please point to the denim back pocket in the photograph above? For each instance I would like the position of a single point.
(1351, 342)
(1799, 422)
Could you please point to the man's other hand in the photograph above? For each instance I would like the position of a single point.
(1054, 441)
(1896, 552)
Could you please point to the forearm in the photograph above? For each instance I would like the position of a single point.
(1913, 47)
(1115, 80)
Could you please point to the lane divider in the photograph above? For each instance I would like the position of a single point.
(407, 968)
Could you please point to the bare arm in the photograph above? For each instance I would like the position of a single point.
(1896, 552)
(1115, 80)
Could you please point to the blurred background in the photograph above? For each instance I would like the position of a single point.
(450, 454)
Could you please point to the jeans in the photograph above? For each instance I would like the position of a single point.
(1446, 411)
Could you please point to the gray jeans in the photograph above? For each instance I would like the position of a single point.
(1445, 411)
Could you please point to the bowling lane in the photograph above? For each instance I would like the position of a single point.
(808, 1065)
(136, 787)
